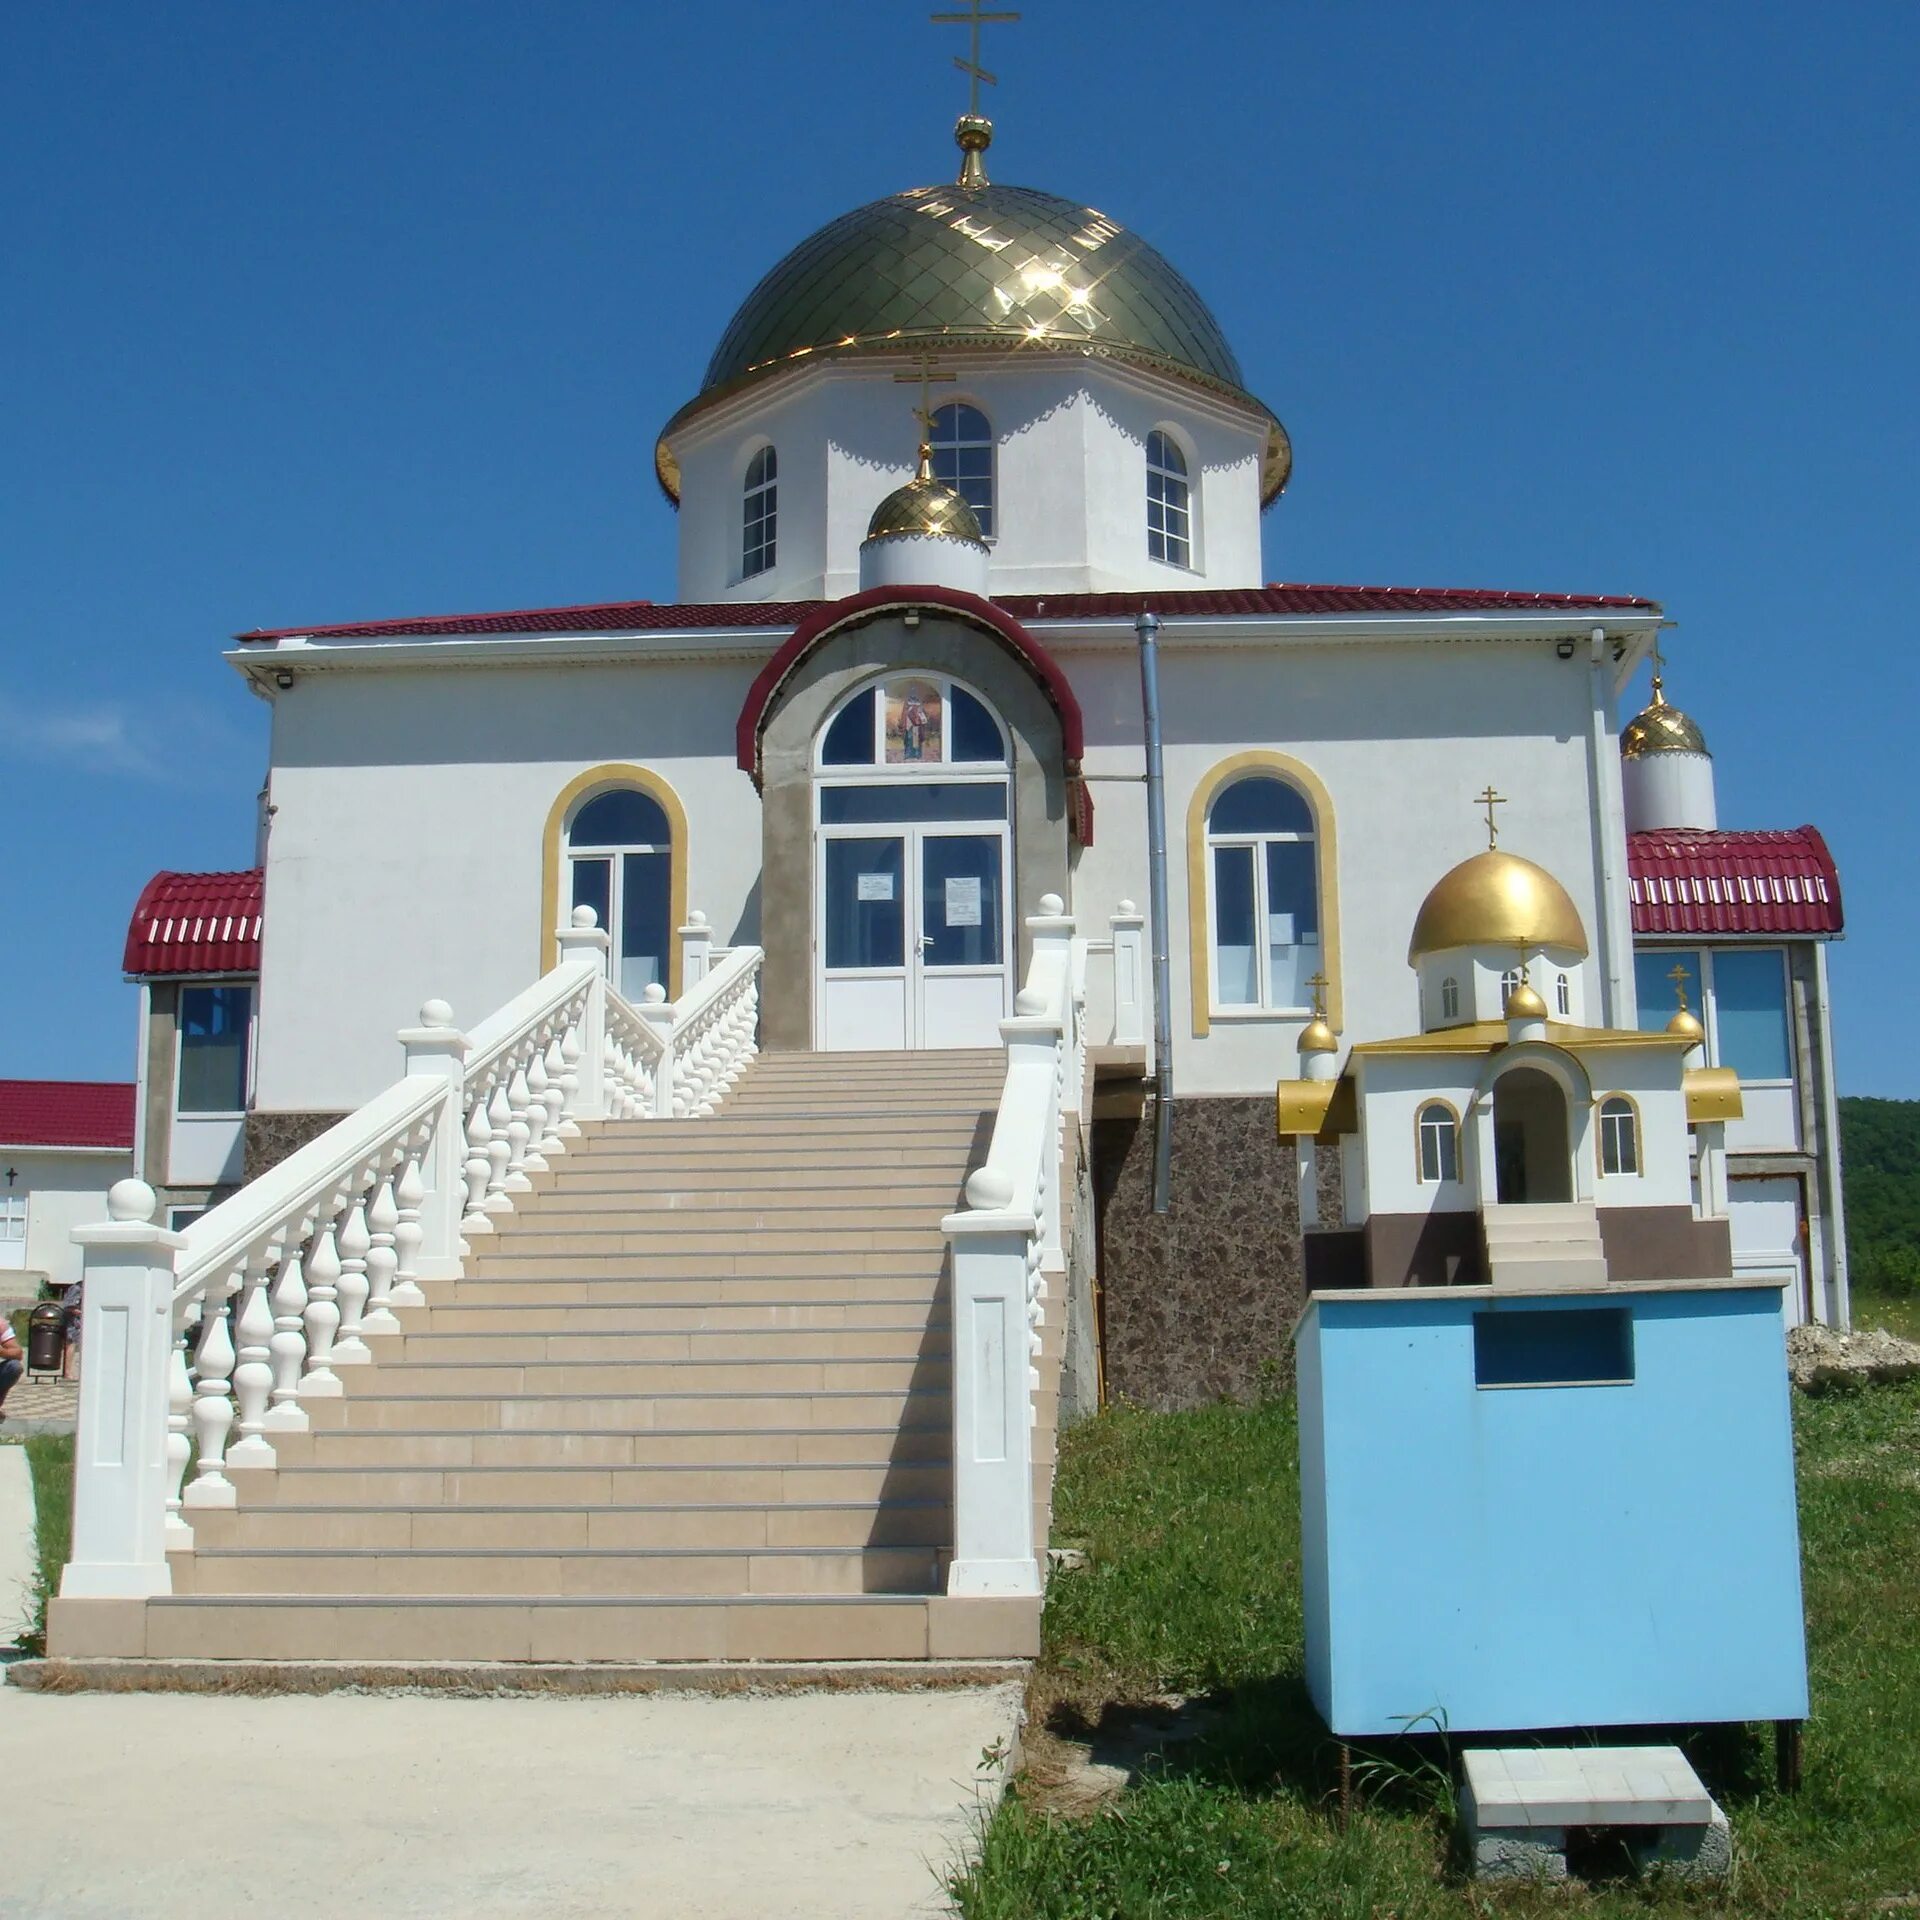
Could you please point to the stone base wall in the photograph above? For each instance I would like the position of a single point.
(1199, 1303)
(270, 1137)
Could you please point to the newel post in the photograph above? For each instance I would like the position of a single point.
(657, 1011)
(437, 1049)
(583, 938)
(696, 951)
(993, 1550)
(1129, 976)
(120, 1477)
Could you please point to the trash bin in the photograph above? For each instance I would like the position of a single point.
(46, 1337)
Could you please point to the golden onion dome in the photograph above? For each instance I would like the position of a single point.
(1660, 728)
(1317, 1037)
(927, 507)
(1497, 900)
(975, 267)
(1688, 1025)
(1524, 1004)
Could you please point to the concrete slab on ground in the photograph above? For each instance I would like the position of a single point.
(840, 1806)
(17, 1557)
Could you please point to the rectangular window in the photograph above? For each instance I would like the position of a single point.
(866, 903)
(1653, 991)
(213, 1049)
(1750, 1012)
(13, 1216)
(1236, 965)
(1553, 1347)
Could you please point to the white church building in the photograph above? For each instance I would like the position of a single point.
(702, 1270)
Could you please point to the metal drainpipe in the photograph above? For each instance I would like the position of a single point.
(1147, 626)
(1604, 784)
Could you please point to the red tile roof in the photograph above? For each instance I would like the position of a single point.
(647, 616)
(196, 923)
(66, 1113)
(1733, 883)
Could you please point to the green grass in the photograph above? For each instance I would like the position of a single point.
(1190, 1522)
(1896, 1312)
(50, 1462)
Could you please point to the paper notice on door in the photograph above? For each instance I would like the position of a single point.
(874, 886)
(963, 902)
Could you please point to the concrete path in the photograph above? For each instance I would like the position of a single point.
(152, 1806)
(16, 1541)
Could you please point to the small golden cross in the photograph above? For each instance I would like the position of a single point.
(1490, 800)
(924, 373)
(1680, 976)
(1318, 986)
(971, 66)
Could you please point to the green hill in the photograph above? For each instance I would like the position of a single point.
(1880, 1152)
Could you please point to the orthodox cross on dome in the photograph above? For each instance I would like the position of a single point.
(971, 66)
(1490, 800)
(1318, 986)
(1680, 976)
(923, 364)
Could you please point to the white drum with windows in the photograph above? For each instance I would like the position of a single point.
(913, 832)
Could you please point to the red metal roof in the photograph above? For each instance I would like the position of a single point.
(647, 616)
(66, 1113)
(196, 923)
(1733, 883)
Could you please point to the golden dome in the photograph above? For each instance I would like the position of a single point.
(1524, 1004)
(1688, 1024)
(1317, 1037)
(1497, 900)
(925, 506)
(1660, 729)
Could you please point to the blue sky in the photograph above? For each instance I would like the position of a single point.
(323, 313)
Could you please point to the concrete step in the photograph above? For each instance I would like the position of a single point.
(580, 1312)
(533, 1574)
(805, 1170)
(744, 1205)
(849, 1627)
(551, 1527)
(639, 1379)
(826, 1125)
(369, 1487)
(795, 1443)
(754, 1262)
(531, 1343)
(712, 1412)
(500, 1284)
(534, 1236)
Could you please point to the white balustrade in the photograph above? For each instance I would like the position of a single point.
(203, 1346)
(1007, 1261)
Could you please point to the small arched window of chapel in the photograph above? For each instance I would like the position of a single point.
(759, 512)
(1619, 1136)
(1449, 998)
(1169, 502)
(1439, 1143)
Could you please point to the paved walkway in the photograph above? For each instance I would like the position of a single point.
(786, 1807)
(42, 1406)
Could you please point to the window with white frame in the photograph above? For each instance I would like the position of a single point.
(1566, 997)
(1619, 1136)
(1439, 1134)
(1509, 984)
(1449, 998)
(620, 863)
(759, 512)
(1750, 1013)
(1262, 852)
(13, 1219)
(214, 1024)
(1169, 502)
(963, 457)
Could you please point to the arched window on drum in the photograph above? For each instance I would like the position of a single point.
(620, 863)
(1261, 849)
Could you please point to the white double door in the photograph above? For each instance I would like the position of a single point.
(912, 937)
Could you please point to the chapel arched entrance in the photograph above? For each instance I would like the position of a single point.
(1532, 1139)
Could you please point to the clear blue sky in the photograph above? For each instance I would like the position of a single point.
(329, 312)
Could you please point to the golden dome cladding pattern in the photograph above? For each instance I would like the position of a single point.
(1660, 728)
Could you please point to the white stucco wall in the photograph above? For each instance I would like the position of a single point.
(1070, 477)
(65, 1188)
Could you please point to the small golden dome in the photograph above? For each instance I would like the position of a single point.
(1497, 900)
(1524, 1004)
(1685, 1023)
(1317, 1037)
(925, 506)
(1660, 729)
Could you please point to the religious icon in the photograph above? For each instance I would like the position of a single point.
(913, 722)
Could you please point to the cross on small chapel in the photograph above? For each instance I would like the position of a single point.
(971, 66)
(923, 372)
(1490, 800)
(1318, 986)
(1680, 976)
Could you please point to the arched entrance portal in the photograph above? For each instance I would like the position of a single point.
(913, 853)
(1532, 1140)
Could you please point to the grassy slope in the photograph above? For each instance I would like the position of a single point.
(1191, 1521)
(50, 1461)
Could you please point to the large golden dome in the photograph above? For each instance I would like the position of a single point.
(1497, 900)
(1660, 728)
(975, 267)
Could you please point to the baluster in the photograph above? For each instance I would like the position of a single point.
(179, 1424)
(322, 1318)
(253, 1376)
(212, 1411)
(554, 1066)
(519, 1133)
(349, 1350)
(383, 1217)
(570, 1054)
(499, 1152)
(288, 1347)
(534, 1078)
(477, 1169)
(408, 1233)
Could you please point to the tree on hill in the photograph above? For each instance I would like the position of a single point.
(1880, 1157)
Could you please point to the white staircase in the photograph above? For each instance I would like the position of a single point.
(1554, 1245)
